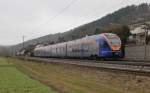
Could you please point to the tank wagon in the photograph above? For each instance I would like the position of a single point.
(106, 45)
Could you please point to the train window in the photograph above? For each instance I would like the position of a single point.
(115, 41)
(85, 47)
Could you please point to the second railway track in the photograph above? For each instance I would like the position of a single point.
(138, 67)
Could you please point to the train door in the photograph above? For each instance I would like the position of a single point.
(105, 50)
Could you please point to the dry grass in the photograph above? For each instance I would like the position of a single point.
(74, 79)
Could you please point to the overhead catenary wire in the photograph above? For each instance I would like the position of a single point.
(122, 1)
(60, 12)
(97, 13)
(70, 4)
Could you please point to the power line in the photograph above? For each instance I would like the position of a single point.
(112, 6)
(69, 5)
(103, 10)
(60, 12)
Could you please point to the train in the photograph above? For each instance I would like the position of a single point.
(105, 45)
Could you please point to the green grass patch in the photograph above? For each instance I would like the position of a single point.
(14, 81)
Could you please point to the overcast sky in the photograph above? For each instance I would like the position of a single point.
(35, 18)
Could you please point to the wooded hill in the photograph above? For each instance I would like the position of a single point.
(127, 16)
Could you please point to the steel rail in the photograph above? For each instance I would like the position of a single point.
(140, 67)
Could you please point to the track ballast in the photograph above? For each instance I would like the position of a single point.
(129, 66)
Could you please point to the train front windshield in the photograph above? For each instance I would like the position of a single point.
(114, 41)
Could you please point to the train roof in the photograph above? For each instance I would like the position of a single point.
(103, 35)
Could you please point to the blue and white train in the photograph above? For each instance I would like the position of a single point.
(106, 45)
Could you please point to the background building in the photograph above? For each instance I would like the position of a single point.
(139, 34)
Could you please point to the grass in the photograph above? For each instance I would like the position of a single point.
(14, 81)
(74, 79)
(62, 80)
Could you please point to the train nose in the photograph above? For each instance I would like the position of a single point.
(115, 47)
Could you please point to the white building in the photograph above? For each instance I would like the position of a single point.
(138, 34)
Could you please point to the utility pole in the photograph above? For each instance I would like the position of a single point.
(146, 33)
(23, 41)
(12, 51)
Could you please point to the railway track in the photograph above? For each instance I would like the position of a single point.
(129, 66)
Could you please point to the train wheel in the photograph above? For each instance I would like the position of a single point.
(102, 59)
(93, 57)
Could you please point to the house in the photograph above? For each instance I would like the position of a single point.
(139, 34)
